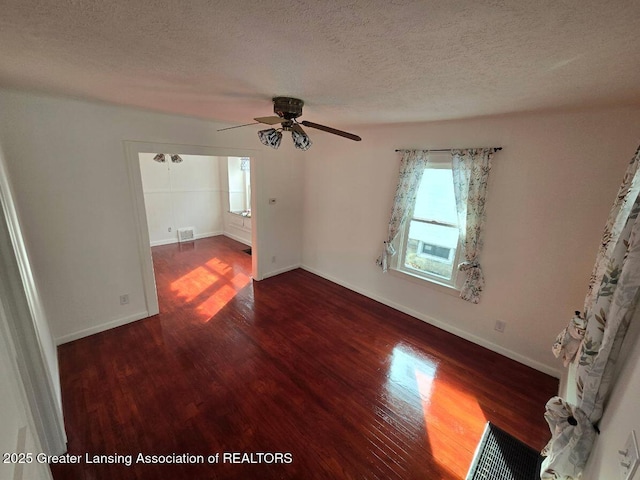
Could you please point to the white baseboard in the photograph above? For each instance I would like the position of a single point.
(169, 241)
(197, 236)
(237, 238)
(101, 328)
(209, 234)
(443, 326)
(282, 270)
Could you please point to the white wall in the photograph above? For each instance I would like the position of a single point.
(550, 192)
(67, 162)
(284, 183)
(177, 195)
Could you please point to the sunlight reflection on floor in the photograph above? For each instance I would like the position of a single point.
(413, 374)
(216, 302)
(191, 285)
(218, 266)
(211, 285)
(461, 422)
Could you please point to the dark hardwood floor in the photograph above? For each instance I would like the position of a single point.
(293, 364)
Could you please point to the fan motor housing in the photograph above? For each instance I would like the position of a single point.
(287, 107)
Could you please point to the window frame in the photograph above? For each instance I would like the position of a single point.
(242, 186)
(435, 162)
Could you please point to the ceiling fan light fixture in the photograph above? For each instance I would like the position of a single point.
(287, 110)
(160, 158)
(301, 141)
(270, 137)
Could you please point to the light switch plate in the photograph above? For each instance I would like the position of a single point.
(628, 459)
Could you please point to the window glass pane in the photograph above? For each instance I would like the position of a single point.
(431, 248)
(239, 174)
(436, 199)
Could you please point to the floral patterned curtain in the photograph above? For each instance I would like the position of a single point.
(610, 303)
(412, 167)
(471, 169)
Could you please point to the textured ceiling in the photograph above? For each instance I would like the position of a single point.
(357, 61)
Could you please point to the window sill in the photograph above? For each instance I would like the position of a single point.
(245, 214)
(434, 284)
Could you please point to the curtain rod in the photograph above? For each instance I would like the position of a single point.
(495, 149)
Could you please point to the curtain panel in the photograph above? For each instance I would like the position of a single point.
(471, 169)
(412, 167)
(610, 303)
(617, 217)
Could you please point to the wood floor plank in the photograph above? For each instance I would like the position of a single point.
(349, 387)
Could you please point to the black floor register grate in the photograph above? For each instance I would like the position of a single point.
(500, 456)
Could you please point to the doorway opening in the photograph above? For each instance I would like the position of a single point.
(184, 193)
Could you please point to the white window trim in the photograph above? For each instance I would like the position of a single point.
(452, 285)
(433, 284)
(398, 265)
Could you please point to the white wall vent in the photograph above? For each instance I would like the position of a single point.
(186, 234)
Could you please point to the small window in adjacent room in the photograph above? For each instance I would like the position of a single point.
(239, 176)
(429, 245)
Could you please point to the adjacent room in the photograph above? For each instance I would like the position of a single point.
(305, 240)
(188, 197)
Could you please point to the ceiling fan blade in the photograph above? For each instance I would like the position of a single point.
(298, 129)
(237, 126)
(269, 120)
(348, 135)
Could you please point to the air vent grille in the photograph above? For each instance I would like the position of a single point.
(186, 234)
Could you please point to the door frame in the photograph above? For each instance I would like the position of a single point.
(132, 150)
(24, 323)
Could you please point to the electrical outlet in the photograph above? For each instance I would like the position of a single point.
(169, 229)
(500, 326)
(124, 299)
(629, 457)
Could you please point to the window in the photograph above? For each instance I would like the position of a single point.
(429, 244)
(239, 176)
